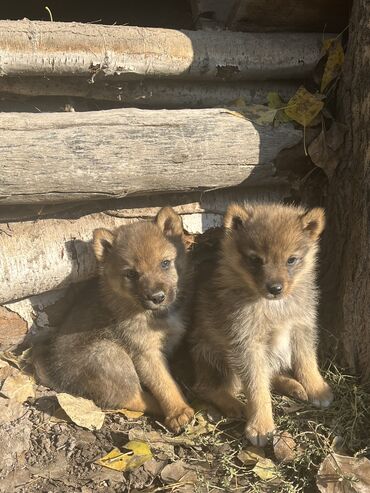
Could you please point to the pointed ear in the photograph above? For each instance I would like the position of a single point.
(236, 216)
(169, 222)
(313, 222)
(102, 242)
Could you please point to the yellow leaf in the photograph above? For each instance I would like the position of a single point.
(138, 453)
(129, 414)
(275, 102)
(303, 107)
(251, 455)
(18, 387)
(82, 411)
(333, 63)
(257, 113)
(265, 469)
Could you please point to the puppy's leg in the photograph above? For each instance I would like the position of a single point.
(305, 367)
(154, 374)
(253, 370)
(285, 385)
(100, 370)
(219, 388)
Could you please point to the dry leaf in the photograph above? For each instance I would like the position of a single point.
(10, 410)
(82, 411)
(257, 113)
(251, 455)
(342, 474)
(129, 414)
(137, 454)
(178, 472)
(334, 63)
(324, 149)
(154, 439)
(285, 447)
(303, 107)
(265, 469)
(275, 102)
(18, 387)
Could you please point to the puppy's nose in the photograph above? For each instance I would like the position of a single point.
(274, 288)
(157, 298)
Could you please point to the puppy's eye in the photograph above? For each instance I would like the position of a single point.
(254, 259)
(130, 274)
(292, 260)
(165, 264)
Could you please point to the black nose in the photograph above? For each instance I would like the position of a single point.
(274, 288)
(157, 298)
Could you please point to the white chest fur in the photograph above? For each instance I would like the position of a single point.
(280, 350)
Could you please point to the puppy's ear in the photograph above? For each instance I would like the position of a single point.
(169, 222)
(237, 216)
(313, 222)
(102, 242)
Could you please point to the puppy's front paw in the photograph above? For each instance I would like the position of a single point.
(179, 419)
(321, 397)
(259, 430)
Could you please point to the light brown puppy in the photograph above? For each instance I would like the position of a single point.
(115, 341)
(255, 318)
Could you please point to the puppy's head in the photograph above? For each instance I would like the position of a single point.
(271, 247)
(145, 261)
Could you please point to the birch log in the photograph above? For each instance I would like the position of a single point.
(60, 49)
(61, 157)
(150, 93)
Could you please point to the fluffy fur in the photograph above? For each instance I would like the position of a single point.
(255, 318)
(114, 342)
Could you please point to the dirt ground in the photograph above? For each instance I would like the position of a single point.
(42, 450)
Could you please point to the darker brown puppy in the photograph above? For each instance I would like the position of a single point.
(255, 317)
(117, 336)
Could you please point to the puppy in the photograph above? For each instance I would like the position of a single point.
(113, 347)
(255, 317)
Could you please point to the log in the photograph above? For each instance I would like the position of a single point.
(50, 254)
(150, 93)
(36, 48)
(61, 157)
(346, 253)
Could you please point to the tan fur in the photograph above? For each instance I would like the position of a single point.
(113, 346)
(255, 317)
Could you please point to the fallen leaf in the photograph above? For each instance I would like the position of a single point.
(333, 47)
(178, 472)
(154, 439)
(342, 474)
(257, 113)
(10, 410)
(137, 454)
(18, 387)
(82, 411)
(324, 149)
(285, 447)
(5, 370)
(126, 412)
(251, 455)
(265, 469)
(303, 107)
(275, 102)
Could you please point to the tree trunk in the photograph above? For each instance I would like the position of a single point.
(61, 157)
(89, 50)
(346, 296)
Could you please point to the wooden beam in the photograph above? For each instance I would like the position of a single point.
(36, 48)
(61, 157)
(150, 93)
